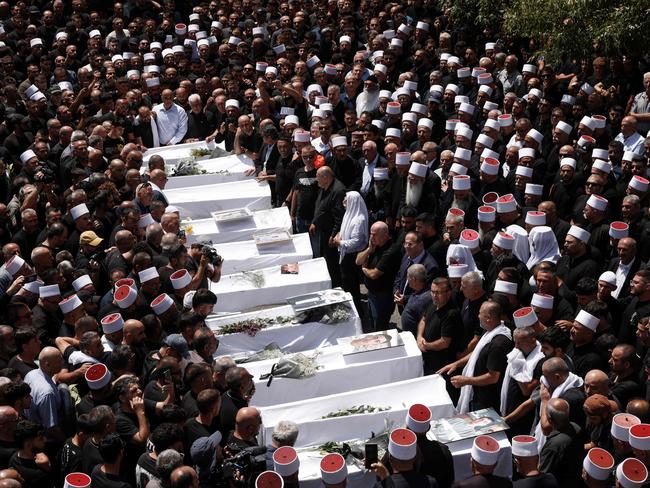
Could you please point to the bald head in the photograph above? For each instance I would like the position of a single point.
(50, 360)
(184, 477)
(246, 416)
(640, 408)
(596, 382)
(557, 411)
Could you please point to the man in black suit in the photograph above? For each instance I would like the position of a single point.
(624, 266)
(414, 254)
(328, 215)
(268, 158)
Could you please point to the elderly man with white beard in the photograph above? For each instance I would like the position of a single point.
(419, 192)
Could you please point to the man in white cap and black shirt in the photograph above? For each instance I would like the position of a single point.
(334, 471)
(525, 454)
(637, 308)
(597, 468)
(402, 454)
(484, 457)
(577, 261)
(582, 350)
(434, 458)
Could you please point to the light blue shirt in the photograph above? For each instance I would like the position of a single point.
(367, 175)
(46, 399)
(172, 124)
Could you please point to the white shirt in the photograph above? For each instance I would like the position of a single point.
(172, 124)
(321, 147)
(367, 175)
(621, 274)
(633, 143)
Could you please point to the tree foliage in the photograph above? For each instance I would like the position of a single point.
(570, 29)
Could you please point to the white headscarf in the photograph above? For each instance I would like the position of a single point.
(543, 246)
(354, 226)
(460, 254)
(521, 249)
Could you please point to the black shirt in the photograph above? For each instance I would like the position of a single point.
(386, 259)
(90, 456)
(585, 358)
(304, 183)
(408, 479)
(70, 458)
(444, 322)
(230, 405)
(492, 358)
(104, 480)
(33, 475)
(7, 450)
(541, 480)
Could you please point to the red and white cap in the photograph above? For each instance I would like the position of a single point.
(418, 169)
(461, 182)
(505, 120)
(458, 169)
(97, 376)
(112, 323)
(403, 158)
(599, 121)
(506, 203)
(69, 304)
(285, 461)
(603, 166)
(533, 217)
(504, 241)
(598, 464)
(180, 29)
(180, 279)
(490, 199)
(125, 296)
(542, 300)
(81, 282)
(586, 141)
(457, 270)
(534, 189)
(456, 212)
(490, 166)
(631, 473)
(402, 444)
(486, 214)
(333, 469)
(579, 233)
(269, 479)
(639, 183)
(621, 424)
(524, 317)
(506, 287)
(469, 238)
(639, 437)
(485, 450)
(79, 210)
(619, 230)
(14, 264)
(597, 202)
(524, 446)
(125, 282)
(49, 291)
(161, 304)
(587, 320)
(301, 136)
(418, 418)
(393, 108)
(77, 480)
(524, 171)
(148, 274)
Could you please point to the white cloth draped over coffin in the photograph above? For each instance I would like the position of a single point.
(239, 291)
(262, 221)
(225, 169)
(245, 255)
(289, 337)
(399, 396)
(198, 202)
(173, 154)
(337, 376)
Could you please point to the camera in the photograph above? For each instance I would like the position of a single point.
(44, 175)
(99, 256)
(248, 462)
(212, 255)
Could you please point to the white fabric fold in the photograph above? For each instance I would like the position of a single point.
(520, 368)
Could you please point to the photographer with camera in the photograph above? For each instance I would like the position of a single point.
(244, 460)
(207, 263)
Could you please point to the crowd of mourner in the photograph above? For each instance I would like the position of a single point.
(458, 186)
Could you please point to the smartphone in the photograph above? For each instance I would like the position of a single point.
(371, 456)
(181, 234)
(31, 278)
